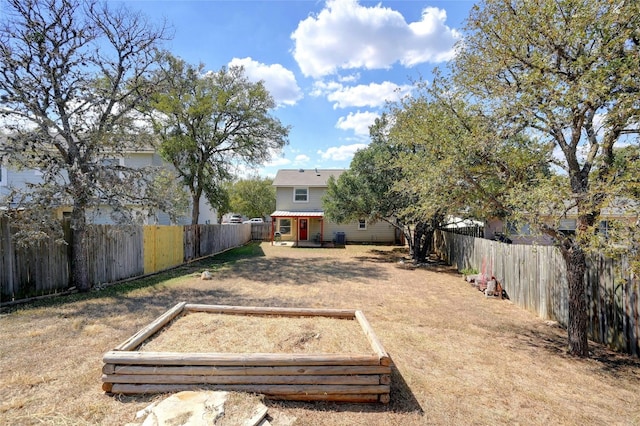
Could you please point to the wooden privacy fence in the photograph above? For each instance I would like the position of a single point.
(205, 240)
(114, 252)
(261, 231)
(534, 278)
(163, 248)
(32, 270)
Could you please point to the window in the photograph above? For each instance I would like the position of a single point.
(284, 226)
(362, 224)
(518, 229)
(109, 162)
(567, 225)
(603, 228)
(300, 195)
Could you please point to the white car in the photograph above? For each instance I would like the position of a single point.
(236, 218)
(254, 220)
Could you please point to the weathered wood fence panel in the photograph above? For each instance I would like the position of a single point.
(34, 270)
(261, 231)
(534, 277)
(116, 252)
(205, 240)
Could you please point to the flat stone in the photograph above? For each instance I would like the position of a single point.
(187, 408)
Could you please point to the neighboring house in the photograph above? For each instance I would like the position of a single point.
(101, 215)
(299, 216)
(624, 210)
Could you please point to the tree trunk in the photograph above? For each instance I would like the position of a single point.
(576, 263)
(195, 214)
(422, 241)
(79, 261)
(195, 209)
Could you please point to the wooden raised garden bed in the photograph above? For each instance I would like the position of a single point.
(344, 377)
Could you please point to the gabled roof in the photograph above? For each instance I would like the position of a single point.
(305, 177)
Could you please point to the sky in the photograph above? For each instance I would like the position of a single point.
(330, 65)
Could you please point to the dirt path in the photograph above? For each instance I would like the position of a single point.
(460, 358)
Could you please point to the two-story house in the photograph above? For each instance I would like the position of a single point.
(139, 158)
(299, 216)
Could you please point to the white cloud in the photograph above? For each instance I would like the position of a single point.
(279, 81)
(372, 95)
(346, 35)
(323, 88)
(278, 162)
(341, 153)
(359, 122)
(301, 159)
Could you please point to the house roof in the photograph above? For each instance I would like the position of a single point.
(289, 213)
(305, 177)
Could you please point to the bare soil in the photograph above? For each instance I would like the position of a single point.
(459, 358)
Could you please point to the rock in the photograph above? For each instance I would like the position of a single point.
(490, 291)
(187, 408)
(257, 417)
(206, 275)
(208, 408)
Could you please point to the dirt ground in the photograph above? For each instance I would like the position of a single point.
(459, 358)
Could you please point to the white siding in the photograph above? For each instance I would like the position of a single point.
(284, 199)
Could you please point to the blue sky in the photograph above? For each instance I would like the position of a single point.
(330, 65)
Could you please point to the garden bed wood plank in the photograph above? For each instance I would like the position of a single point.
(246, 371)
(272, 311)
(243, 380)
(263, 389)
(148, 331)
(373, 339)
(350, 398)
(239, 359)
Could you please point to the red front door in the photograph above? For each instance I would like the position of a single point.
(302, 230)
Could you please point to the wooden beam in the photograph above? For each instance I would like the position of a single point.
(148, 331)
(359, 380)
(276, 311)
(236, 359)
(347, 399)
(200, 370)
(373, 339)
(288, 390)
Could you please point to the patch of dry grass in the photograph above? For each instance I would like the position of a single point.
(460, 358)
(208, 332)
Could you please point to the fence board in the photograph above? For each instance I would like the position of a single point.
(534, 277)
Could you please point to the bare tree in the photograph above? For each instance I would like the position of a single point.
(71, 74)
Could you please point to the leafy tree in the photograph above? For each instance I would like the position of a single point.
(209, 122)
(368, 191)
(456, 160)
(71, 73)
(437, 159)
(565, 71)
(255, 197)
